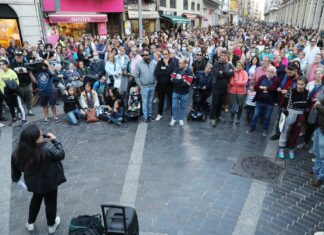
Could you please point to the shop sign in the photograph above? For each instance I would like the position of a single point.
(77, 19)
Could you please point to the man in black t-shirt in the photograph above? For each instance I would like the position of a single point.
(25, 83)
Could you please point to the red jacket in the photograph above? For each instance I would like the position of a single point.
(237, 84)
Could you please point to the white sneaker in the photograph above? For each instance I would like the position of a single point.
(52, 229)
(172, 123)
(181, 123)
(158, 117)
(30, 227)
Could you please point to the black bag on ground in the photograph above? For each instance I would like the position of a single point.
(120, 220)
(86, 225)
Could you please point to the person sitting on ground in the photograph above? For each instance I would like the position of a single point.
(60, 80)
(100, 87)
(73, 76)
(296, 106)
(111, 96)
(89, 98)
(72, 107)
(116, 115)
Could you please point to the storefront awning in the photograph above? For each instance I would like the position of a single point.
(145, 14)
(77, 18)
(189, 16)
(176, 19)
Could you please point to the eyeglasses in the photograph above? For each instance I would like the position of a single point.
(313, 41)
(199, 54)
(145, 55)
(1, 64)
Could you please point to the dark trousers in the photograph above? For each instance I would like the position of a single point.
(310, 128)
(249, 112)
(163, 91)
(217, 98)
(11, 101)
(50, 200)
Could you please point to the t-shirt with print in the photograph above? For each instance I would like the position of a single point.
(44, 82)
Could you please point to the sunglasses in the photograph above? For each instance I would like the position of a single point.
(145, 55)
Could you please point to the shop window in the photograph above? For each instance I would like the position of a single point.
(76, 30)
(192, 6)
(198, 7)
(185, 4)
(173, 4)
(9, 31)
(162, 3)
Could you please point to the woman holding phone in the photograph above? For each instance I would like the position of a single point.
(39, 157)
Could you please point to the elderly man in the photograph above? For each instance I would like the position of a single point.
(260, 71)
(266, 88)
(311, 68)
(146, 80)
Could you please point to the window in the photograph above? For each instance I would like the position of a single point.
(162, 3)
(185, 4)
(192, 6)
(198, 7)
(173, 4)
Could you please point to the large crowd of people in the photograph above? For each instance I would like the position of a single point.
(246, 71)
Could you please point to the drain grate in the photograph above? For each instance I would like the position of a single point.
(259, 168)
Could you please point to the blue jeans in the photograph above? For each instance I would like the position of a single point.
(318, 148)
(147, 94)
(175, 101)
(262, 109)
(115, 120)
(73, 116)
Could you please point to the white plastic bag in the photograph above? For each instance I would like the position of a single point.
(282, 121)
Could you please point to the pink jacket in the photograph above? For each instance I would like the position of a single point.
(237, 84)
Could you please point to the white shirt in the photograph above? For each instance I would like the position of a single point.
(311, 53)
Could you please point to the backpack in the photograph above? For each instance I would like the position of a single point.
(86, 225)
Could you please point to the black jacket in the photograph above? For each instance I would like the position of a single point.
(199, 65)
(44, 176)
(163, 72)
(181, 80)
(70, 103)
(222, 73)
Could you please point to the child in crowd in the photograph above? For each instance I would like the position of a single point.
(72, 106)
(134, 103)
(116, 115)
(295, 117)
(250, 103)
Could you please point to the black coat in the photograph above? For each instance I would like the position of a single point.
(45, 175)
(163, 72)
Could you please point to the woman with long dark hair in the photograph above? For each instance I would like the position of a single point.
(40, 161)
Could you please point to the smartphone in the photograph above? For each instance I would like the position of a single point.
(45, 136)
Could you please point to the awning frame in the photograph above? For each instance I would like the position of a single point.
(77, 18)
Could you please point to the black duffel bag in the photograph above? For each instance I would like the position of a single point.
(86, 225)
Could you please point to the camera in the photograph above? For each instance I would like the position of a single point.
(32, 65)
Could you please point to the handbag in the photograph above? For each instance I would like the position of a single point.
(91, 116)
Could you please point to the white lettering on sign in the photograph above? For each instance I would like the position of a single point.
(80, 19)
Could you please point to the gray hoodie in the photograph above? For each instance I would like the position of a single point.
(144, 75)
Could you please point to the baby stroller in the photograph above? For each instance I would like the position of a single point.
(199, 110)
(134, 105)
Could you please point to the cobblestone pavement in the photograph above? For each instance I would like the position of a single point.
(185, 184)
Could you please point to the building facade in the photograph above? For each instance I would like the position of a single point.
(77, 18)
(19, 21)
(211, 12)
(300, 13)
(181, 13)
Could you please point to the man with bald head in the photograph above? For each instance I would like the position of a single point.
(181, 80)
(266, 88)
